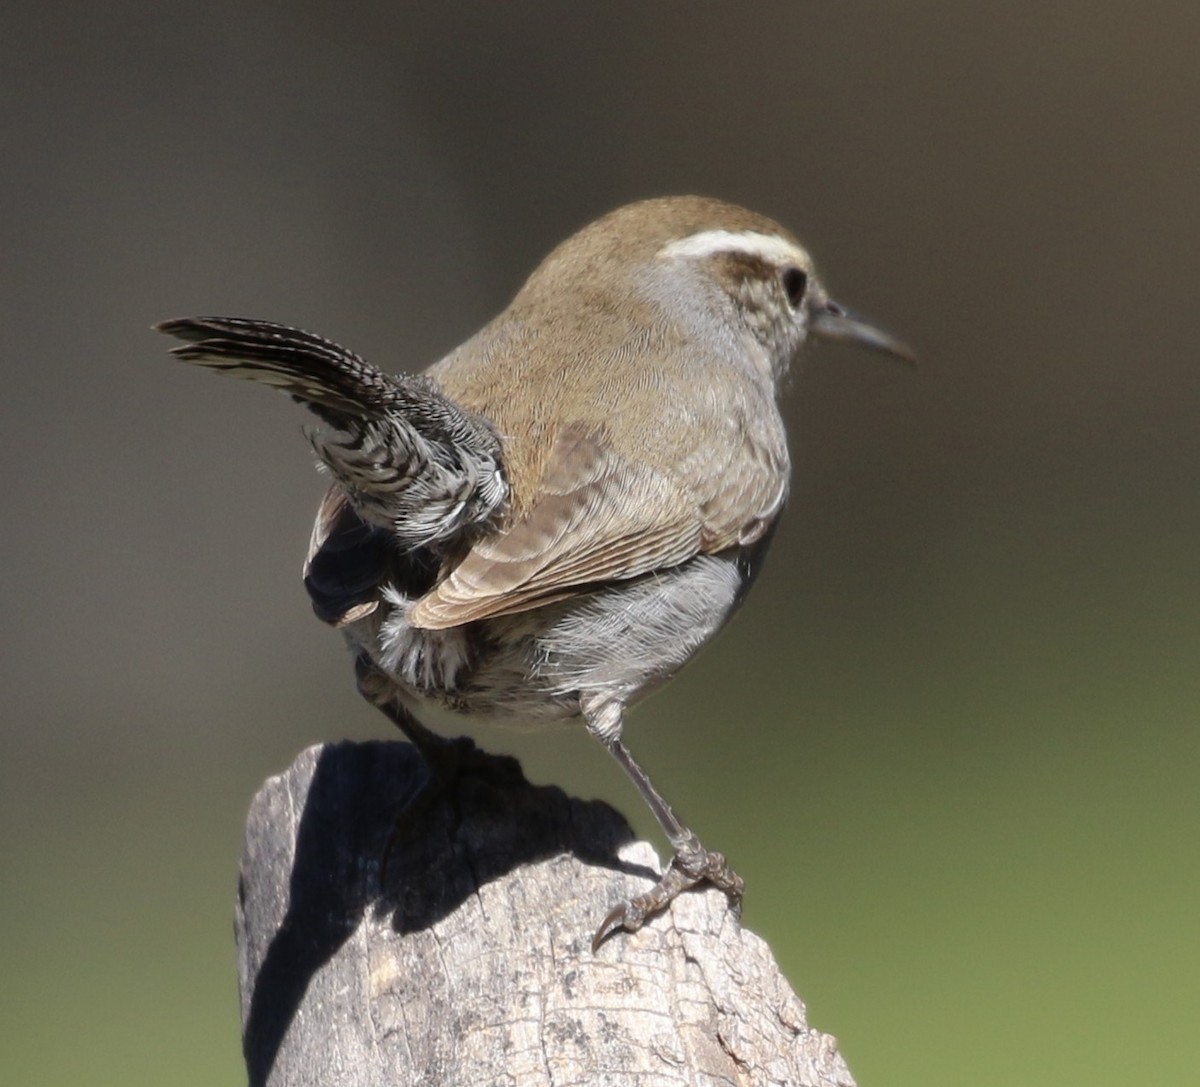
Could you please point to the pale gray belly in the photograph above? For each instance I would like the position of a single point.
(616, 644)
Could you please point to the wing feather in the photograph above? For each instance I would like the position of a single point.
(598, 517)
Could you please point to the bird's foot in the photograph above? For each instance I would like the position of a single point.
(449, 760)
(691, 865)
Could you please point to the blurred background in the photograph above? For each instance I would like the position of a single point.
(951, 742)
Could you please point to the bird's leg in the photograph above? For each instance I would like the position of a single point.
(691, 864)
(445, 757)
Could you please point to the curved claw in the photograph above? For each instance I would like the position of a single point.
(684, 872)
(621, 916)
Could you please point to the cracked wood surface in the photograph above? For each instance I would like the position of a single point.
(473, 966)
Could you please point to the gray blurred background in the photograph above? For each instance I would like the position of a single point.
(951, 742)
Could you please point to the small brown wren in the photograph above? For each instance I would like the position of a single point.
(550, 522)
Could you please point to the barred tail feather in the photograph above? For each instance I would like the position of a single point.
(316, 371)
(407, 457)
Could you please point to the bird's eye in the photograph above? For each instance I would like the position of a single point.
(795, 283)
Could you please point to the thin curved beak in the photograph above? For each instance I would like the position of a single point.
(835, 322)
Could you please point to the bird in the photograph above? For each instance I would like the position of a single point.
(549, 522)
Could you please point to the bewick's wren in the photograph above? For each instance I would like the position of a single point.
(548, 523)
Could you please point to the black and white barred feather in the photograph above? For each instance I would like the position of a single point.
(408, 458)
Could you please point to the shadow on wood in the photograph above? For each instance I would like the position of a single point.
(474, 965)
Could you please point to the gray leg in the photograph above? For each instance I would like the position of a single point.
(446, 758)
(691, 864)
(377, 688)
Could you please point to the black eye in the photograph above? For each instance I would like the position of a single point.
(795, 283)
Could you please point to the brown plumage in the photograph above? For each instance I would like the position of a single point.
(624, 461)
(549, 522)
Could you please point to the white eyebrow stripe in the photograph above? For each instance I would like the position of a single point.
(770, 247)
